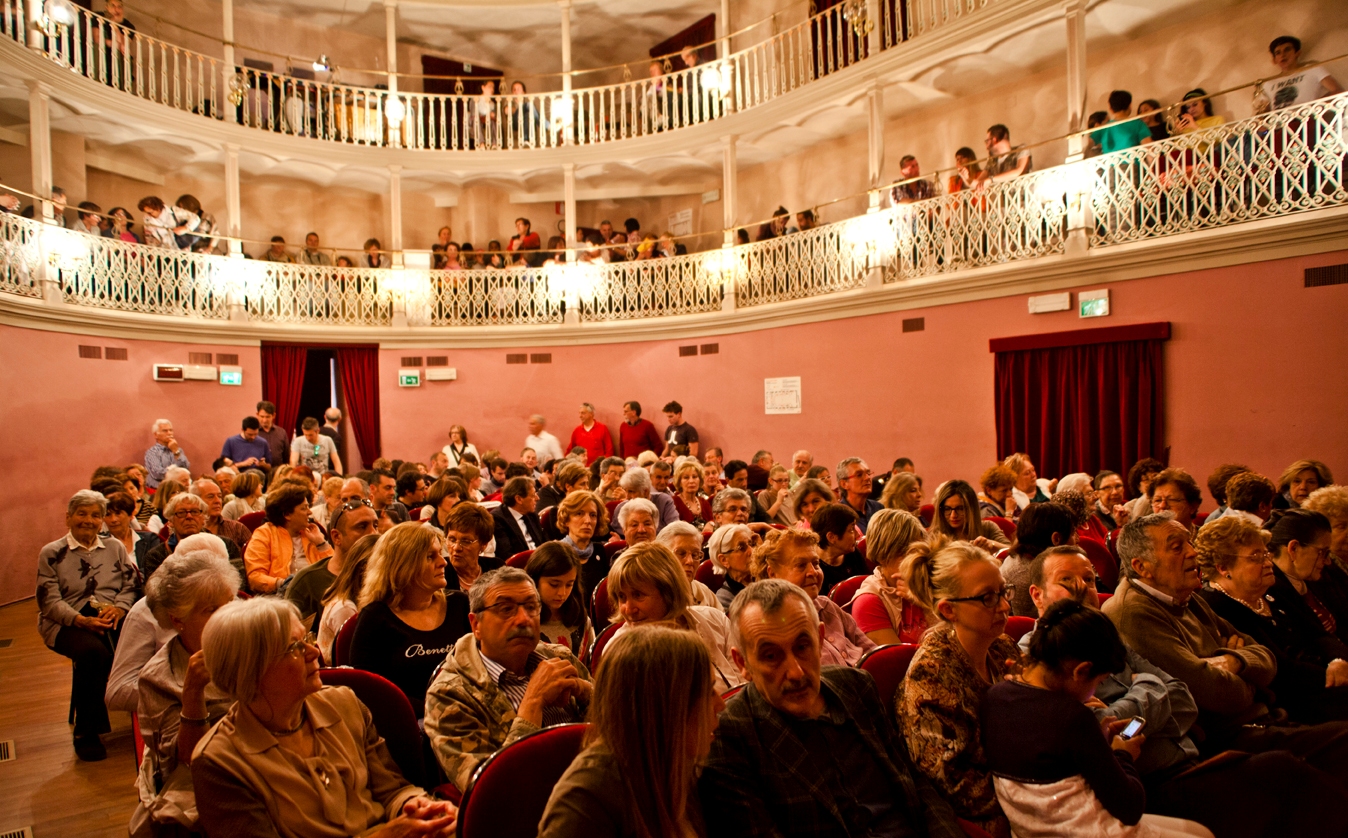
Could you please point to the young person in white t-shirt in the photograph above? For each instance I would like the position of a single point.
(1294, 85)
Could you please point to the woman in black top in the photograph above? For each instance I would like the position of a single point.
(836, 526)
(468, 530)
(1055, 773)
(407, 623)
(1246, 588)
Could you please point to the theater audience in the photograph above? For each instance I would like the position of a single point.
(836, 526)
(583, 522)
(1139, 486)
(564, 619)
(1250, 496)
(847, 776)
(247, 491)
(1055, 773)
(468, 531)
(774, 501)
(1299, 480)
(1027, 489)
(186, 516)
(882, 607)
(1108, 508)
(806, 499)
(997, 483)
(1217, 481)
(118, 521)
(647, 586)
(957, 517)
(350, 523)
(1332, 587)
(407, 621)
(854, 482)
(685, 542)
(1174, 490)
(177, 701)
(729, 549)
(1040, 527)
(692, 506)
(793, 556)
(443, 496)
(638, 519)
(85, 586)
(165, 452)
(1261, 599)
(287, 543)
(515, 523)
(232, 531)
(637, 484)
(292, 757)
(960, 658)
(499, 683)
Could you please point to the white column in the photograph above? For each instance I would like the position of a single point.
(569, 204)
(875, 139)
(228, 70)
(723, 30)
(391, 43)
(233, 203)
(873, 19)
(39, 145)
(729, 189)
(395, 201)
(1076, 65)
(36, 38)
(565, 6)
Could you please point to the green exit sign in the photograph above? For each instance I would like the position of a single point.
(233, 378)
(409, 378)
(1093, 303)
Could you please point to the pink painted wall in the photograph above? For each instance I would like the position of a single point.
(64, 416)
(1241, 377)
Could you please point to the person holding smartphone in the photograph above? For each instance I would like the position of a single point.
(1054, 771)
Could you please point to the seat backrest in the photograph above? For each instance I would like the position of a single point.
(341, 646)
(888, 665)
(137, 739)
(706, 574)
(592, 663)
(1106, 566)
(253, 520)
(520, 560)
(1006, 525)
(843, 592)
(547, 519)
(392, 714)
(1103, 598)
(925, 514)
(164, 533)
(599, 603)
(510, 789)
(611, 505)
(1018, 627)
(861, 548)
(614, 547)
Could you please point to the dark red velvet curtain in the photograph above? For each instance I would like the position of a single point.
(283, 380)
(358, 367)
(1084, 400)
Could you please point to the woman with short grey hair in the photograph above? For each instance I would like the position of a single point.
(85, 586)
(639, 520)
(685, 541)
(293, 757)
(178, 702)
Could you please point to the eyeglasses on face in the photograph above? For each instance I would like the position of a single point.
(467, 543)
(990, 600)
(297, 648)
(952, 510)
(189, 513)
(507, 608)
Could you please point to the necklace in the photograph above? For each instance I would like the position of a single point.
(291, 731)
(1259, 606)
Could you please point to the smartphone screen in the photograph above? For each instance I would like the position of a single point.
(1133, 727)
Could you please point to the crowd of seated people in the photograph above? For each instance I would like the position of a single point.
(500, 600)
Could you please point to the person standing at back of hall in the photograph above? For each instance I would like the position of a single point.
(636, 434)
(591, 435)
(679, 432)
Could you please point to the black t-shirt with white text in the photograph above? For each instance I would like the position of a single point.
(387, 646)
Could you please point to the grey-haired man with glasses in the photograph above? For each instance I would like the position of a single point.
(500, 683)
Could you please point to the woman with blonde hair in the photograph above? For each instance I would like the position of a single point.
(472, 478)
(1299, 480)
(689, 502)
(407, 624)
(247, 488)
(647, 586)
(903, 491)
(652, 718)
(331, 494)
(957, 517)
(583, 522)
(339, 600)
(882, 606)
(960, 658)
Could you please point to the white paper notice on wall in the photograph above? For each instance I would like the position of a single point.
(681, 223)
(781, 395)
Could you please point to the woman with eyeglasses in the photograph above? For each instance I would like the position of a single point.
(957, 517)
(685, 541)
(1265, 596)
(293, 757)
(729, 549)
(960, 659)
(407, 622)
(468, 530)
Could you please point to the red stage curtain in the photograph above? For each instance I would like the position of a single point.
(283, 380)
(1082, 401)
(359, 370)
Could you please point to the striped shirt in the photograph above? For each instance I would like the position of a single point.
(514, 687)
(157, 459)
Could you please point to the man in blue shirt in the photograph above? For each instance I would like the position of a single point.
(246, 449)
(1118, 135)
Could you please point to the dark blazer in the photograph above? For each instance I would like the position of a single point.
(760, 780)
(509, 536)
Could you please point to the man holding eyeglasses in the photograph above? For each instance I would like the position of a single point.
(349, 523)
(500, 683)
(854, 481)
(186, 514)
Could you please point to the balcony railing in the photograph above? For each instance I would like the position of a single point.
(1274, 165)
(148, 68)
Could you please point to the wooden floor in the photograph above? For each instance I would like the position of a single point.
(45, 787)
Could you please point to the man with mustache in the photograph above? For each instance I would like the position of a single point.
(500, 683)
(804, 749)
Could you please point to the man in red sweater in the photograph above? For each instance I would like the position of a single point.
(637, 434)
(591, 435)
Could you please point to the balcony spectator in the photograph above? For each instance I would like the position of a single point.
(373, 257)
(493, 258)
(524, 238)
(914, 187)
(646, 247)
(526, 126)
(450, 261)
(1150, 110)
(116, 35)
(1005, 162)
(1121, 132)
(1095, 120)
(200, 241)
(278, 253)
(344, 262)
(88, 220)
(120, 224)
(1196, 114)
(1295, 85)
(163, 225)
(591, 435)
(311, 255)
(776, 227)
(968, 174)
(805, 220)
(486, 127)
(468, 256)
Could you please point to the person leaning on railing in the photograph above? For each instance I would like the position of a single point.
(1295, 85)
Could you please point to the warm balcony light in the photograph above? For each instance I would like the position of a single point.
(321, 65)
(66, 250)
(716, 79)
(562, 110)
(394, 110)
(60, 12)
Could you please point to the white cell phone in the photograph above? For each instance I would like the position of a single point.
(1134, 727)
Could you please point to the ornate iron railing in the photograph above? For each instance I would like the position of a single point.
(488, 297)
(20, 256)
(110, 273)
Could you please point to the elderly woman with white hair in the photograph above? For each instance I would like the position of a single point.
(178, 703)
(729, 549)
(85, 586)
(638, 520)
(685, 541)
(292, 757)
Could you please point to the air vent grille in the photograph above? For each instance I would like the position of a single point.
(540, 358)
(685, 351)
(411, 361)
(1328, 275)
(6, 643)
(91, 351)
(711, 349)
(517, 358)
(915, 324)
(226, 360)
(117, 353)
(26, 832)
(199, 357)
(437, 360)
(7, 750)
